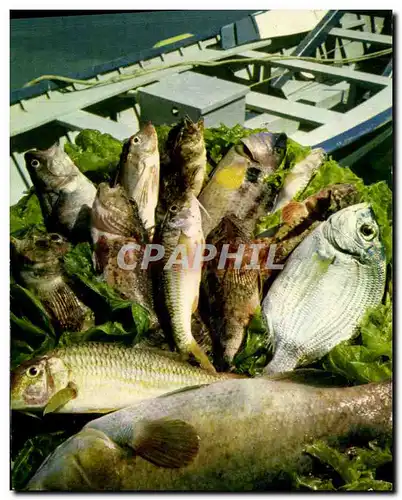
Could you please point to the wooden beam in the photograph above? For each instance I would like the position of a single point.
(364, 79)
(377, 104)
(290, 109)
(80, 120)
(362, 36)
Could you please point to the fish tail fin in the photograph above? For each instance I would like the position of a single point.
(281, 362)
(201, 357)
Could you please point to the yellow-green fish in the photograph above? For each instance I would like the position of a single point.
(237, 186)
(100, 377)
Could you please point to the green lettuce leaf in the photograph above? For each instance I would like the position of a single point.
(31, 456)
(26, 214)
(97, 155)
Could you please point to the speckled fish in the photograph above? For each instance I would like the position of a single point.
(298, 177)
(100, 377)
(298, 219)
(329, 281)
(139, 173)
(232, 293)
(237, 185)
(188, 157)
(37, 263)
(235, 435)
(115, 223)
(182, 230)
(65, 194)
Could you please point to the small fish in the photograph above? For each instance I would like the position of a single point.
(233, 294)
(65, 194)
(238, 186)
(139, 173)
(182, 237)
(234, 435)
(100, 377)
(299, 219)
(116, 226)
(37, 263)
(298, 178)
(186, 149)
(329, 281)
(114, 215)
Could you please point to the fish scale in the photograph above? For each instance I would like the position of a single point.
(327, 284)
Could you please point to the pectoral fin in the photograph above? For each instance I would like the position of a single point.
(61, 398)
(166, 443)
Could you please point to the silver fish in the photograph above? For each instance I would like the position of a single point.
(236, 435)
(65, 194)
(298, 178)
(328, 282)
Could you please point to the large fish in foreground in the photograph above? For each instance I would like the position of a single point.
(329, 281)
(116, 226)
(139, 173)
(183, 242)
(37, 264)
(100, 377)
(237, 186)
(64, 193)
(235, 435)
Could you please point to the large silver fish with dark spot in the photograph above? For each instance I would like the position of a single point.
(236, 435)
(328, 282)
(64, 193)
(237, 186)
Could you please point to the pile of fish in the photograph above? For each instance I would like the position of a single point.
(333, 269)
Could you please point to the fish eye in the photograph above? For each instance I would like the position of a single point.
(32, 372)
(35, 163)
(368, 232)
(56, 238)
(174, 208)
(42, 243)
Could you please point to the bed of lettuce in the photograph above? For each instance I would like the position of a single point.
(365, 358)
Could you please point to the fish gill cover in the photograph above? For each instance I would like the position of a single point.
(365, 358)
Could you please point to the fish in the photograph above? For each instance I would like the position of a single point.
(115, 215)
(119, 237)
(298, 177)
(328, 282)
(237, 185)
(300, 218)
(95, 377)
(182, 238)
(233, 436)
(233, 293)
(139, 173)
(37, 264)
(65, 194)
(185, 147)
